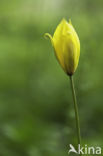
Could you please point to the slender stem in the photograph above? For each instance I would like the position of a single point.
(76, 110)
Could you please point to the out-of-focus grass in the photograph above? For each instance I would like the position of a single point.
(36, 109)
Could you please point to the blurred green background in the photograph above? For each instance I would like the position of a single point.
(36, 107)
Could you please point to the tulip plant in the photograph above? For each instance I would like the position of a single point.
(66, 46)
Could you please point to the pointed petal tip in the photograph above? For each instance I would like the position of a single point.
(63, 20)
(47, 36)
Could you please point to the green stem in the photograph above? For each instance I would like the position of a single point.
(76, 110)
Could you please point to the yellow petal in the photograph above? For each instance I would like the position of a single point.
(66, 45)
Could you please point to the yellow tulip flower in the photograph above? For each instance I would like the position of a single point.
(66, 46)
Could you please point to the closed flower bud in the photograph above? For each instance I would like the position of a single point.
(66, 46)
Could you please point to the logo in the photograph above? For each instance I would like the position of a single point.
(85, 150)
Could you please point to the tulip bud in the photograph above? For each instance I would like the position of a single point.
(66, 46)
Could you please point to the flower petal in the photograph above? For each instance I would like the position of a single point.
(48, 36)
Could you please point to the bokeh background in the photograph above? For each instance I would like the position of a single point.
(36, 106)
